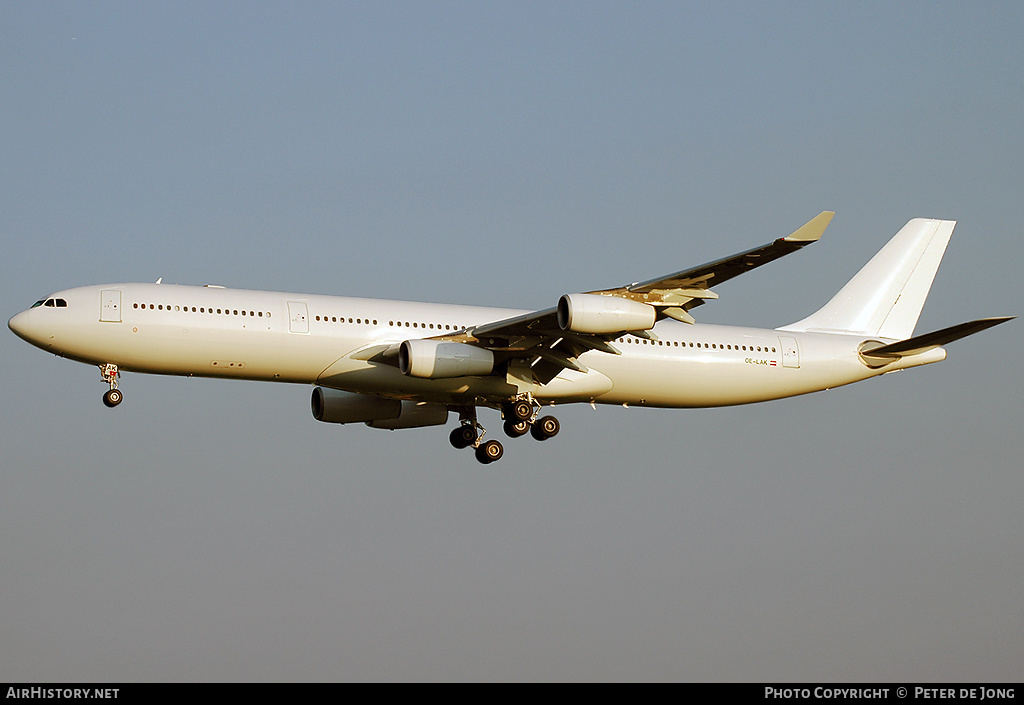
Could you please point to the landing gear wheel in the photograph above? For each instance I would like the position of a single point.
(545, 428)
(462, 437)
(520, 410)
(112, 397)
(515, 429)
(489, 452)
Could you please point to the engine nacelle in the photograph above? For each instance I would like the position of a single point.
(593, 313)
(415, 415)
(335, 406)
(437, 359)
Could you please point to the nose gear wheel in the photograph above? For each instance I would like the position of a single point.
(109, 374)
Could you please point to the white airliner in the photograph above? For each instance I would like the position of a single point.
(398, 364)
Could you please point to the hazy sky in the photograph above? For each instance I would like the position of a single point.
(505, 154)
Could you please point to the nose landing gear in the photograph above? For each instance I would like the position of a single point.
(109, 374)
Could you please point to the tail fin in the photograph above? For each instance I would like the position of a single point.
(885, 298)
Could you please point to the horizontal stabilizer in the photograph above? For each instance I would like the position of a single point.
(923, 343)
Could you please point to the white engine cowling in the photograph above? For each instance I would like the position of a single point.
(335, 406)
(593, 313)
(437, 359)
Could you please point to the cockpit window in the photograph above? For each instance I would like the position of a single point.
(38, 303)
(52, 303)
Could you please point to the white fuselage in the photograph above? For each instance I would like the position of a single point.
(331, 340)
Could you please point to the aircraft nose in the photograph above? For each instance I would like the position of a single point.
(25, 328)
(17, 323)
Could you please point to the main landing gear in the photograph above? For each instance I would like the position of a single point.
(109, 374)
(470, 433)
(521, 417)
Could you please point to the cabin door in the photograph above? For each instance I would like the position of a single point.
(298, 317)
(110, 305)
(790, 352)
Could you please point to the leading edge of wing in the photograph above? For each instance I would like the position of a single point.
(521, 336)
(538, 336)
(533, 322)
(689, 286)
(706, 275)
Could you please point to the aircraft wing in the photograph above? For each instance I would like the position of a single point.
(537, 338)
(548, 348)
(699, 279)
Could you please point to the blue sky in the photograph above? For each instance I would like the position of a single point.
(504, 154)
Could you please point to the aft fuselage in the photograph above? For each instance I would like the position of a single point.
(333, 341)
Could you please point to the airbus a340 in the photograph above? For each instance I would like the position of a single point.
(398, 364)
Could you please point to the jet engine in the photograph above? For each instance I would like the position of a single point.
(593, 313)
(335, 406)
(437, 359)
(415, 415)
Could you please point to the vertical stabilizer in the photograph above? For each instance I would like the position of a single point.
(885, 298)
